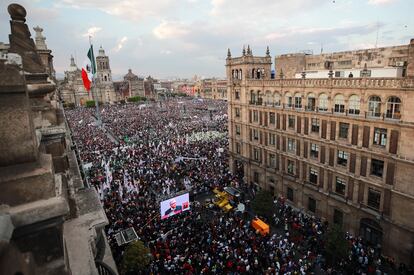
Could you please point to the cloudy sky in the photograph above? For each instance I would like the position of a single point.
(181, 38)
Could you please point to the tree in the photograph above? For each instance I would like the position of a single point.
(135, 259)
(263, 204)
(336, 246)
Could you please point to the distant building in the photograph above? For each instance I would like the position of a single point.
(104, 84)
(71, 87)
(378, 62)
(135, 84)
(212, 88)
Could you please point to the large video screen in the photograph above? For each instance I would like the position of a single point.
(175, 206)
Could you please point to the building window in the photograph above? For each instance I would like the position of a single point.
(291, 145)
(377, 167)
(315, 125)
(277, 99)
(272, 160)
(311, 103)
(354, 105)
(342, 158)
(289, 194)
(314, 151)
(289, 100)
(272, 118)
(291, 167)
(380, 136)
(256, 177)
(339, 73)
(272, 139)
(340, 185)
(343, 130)
(255, 134)
(323, 103)
(291, 121)
(311, 205)
(255, 116)
(339, 104)
(374, 106)
(393, 108)
(237, 95)
(374, 198)
(238, 130)
(338, 217)
(252, 97)
(237, 111)
(313, 175)
(298, 101)
(238, 149)
(256, 154)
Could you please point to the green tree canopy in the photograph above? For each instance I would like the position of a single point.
(336, 246)
(263, 204)
(135, 259)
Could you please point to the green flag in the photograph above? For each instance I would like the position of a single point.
(91, 57)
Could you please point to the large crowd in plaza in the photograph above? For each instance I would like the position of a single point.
(164, 148)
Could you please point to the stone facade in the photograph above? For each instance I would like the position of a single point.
(51, 221)
(289, 65)
(104, 88)
(135, 84)
(71, 88)
(211, 88)
(338, 148)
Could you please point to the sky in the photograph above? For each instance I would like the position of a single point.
(183, 38)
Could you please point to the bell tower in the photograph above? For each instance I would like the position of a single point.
(103, 70)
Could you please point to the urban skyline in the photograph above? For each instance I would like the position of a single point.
(181, 38)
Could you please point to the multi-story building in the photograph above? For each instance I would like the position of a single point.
(377, 62)
(338, 148)
(212, 88)
(104, 88)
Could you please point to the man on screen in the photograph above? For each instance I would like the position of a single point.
(174, 208)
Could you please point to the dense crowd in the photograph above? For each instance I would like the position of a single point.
(146, 153)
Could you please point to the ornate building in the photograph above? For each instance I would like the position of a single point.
(135, 83)
(51, 220)
(338, 148)
(71, 88)
(104, 85)
(211, 88)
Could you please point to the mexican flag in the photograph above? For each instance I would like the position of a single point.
(88, 69)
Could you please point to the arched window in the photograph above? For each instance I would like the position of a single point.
(276, 99)
(354, 105)
(253, 73)
(339, 104)
(252, 97)
(374, 106)
(298, 101)
(105, 78)
(394, 108)
(323, 103)
(288, 100)
(259, 97)
(240, 74)
(269, 98)
(311, 102)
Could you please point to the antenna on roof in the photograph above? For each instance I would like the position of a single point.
(376, 41)
(321, 48)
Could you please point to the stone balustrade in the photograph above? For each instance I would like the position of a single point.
(377, 83)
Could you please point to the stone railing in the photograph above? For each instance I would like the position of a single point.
(386, 83)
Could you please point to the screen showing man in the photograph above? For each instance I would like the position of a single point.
(174, 206)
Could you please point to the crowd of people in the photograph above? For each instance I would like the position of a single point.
(147, 153)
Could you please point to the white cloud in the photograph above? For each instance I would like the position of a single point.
(121, 44)
(166, 52)
(170, 30)
(133, 10)
(261, 8)
(92, 31)
(380, 2)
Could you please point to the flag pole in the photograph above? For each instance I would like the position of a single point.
(95, 97)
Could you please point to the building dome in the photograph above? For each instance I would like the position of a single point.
(72, 66)
(130, 75)
(101, 51)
